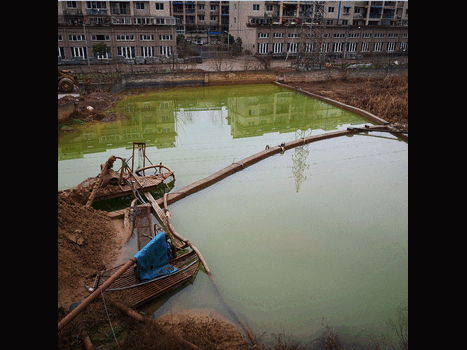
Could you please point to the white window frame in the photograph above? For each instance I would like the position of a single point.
(79, 51)
(352, 47)
(365, 47)
(165, 37)
(165, 50)
(146, 37)
(292, 47)
(277, 47)
(147, 51)
(337, 47)
(126, 51)
(125, 37)
(263, 48)
(391, 46)
(378, 47)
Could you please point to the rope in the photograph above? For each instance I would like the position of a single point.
(108, 317)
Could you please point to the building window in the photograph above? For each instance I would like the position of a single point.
(61, 52)
(365, 47)
(380, 35)
(126, 51)
(97, 5)
(308, 47)
(60, 37)
(278, 35)
(139, 5)
(352, 47)
(324, 47)
(391, 47)
(79, 52)
(255, 7)
(79, 37)
(292, 47)
(277, 47)
(263, 35)
(146, 37)
(378, 47)
(165, 50)
(147, 51)
(354, 35)
(330, 9)
(339, 35)
(71, 5)
(337, 47)
(159, 6)
(125, 37)
(100, 37)
(263, 48)
(165, 37)
(366, 35)
(293, 35)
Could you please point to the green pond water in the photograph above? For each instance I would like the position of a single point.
(317, 235)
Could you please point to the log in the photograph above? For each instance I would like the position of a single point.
(108, 164)
(200, 258)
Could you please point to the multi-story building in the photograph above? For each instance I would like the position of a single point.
(283, 27)
(147, 29)
(129, 29)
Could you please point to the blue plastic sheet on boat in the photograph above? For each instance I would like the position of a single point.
(153, 260)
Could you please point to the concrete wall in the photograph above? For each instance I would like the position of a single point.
(157, 80)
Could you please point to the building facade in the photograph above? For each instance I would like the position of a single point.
(148, 29)
(285, 27)
(129, 29)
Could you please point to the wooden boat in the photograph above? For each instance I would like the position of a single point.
(138, 292)
(125, 181)
(114, 189)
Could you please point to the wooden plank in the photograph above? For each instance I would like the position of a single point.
(157, 208)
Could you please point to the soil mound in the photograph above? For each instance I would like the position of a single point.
(86, 242)
(88, 107)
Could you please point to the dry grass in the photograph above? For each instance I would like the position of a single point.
(387, 98)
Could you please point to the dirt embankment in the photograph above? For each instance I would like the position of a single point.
(386, 98)
(87, 240)
(88, 107)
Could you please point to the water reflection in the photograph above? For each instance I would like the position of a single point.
(252, 110)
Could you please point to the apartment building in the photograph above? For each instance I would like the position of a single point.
(130, 29)
(354, 27)
(148, 29)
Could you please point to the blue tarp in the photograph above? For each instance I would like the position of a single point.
(153, 260)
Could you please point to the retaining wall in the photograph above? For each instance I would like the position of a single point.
(158, 80)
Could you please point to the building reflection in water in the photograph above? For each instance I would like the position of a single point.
(154, 119)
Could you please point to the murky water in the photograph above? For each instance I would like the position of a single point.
(316, 235)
